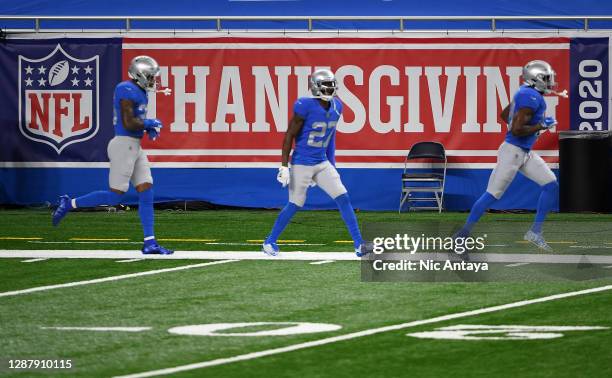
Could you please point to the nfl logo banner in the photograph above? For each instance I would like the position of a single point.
(58, 99)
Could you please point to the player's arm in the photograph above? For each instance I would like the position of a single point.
(130, 121)
(520, 123)
(295, 125)
(505, 113)
(331, 149)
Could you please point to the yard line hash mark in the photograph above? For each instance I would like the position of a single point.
(34, 260)
(517, 264)
(100, 329)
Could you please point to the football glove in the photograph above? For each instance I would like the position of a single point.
(548, 122)
(283, 176)
(153, 128)
(152, 134)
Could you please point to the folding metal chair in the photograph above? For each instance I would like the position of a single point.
(430, 182)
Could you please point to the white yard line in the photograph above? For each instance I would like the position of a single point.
(517, 264)
(111, 278)
(321, 262)
(34, 260)
(100, 329)
(508, 258)
(367, 332)
(128, 260)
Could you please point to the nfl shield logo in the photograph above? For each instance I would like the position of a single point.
(58, 99)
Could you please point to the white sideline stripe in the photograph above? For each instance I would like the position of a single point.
(367, 332)
(34, 260)
(128, 260)
(100, 329)
(111, 278)
(180, 255)
(508, 258)
(321, 262)
(518, 264)
(346, 46)
(608, 267)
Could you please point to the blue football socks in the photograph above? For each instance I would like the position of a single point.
(145, 211)
(283, 219)
(548, 198)
(480, 206)
(97, 198)
(348, 215)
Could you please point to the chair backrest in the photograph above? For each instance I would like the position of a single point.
(432, 150)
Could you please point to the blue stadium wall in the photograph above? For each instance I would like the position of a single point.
(370, 189)
(310, 8)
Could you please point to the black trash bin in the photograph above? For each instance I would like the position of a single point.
(585, 171)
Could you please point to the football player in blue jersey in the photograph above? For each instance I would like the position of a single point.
(313, 127)
(128, 161)
(526, 120)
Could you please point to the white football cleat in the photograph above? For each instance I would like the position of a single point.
(537, 240)
(270, 249)
(363, 249)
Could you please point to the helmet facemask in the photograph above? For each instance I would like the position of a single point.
(550, 82)
(323, 84)
(144, 71)
(540, 75)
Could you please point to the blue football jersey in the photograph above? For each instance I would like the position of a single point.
(526, 97)
(127, 90)
(318, 131)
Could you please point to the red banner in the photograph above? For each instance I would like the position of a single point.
(232, 98)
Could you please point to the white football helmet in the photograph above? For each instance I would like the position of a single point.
(323, 84)
(540, 75)
(145, 71)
